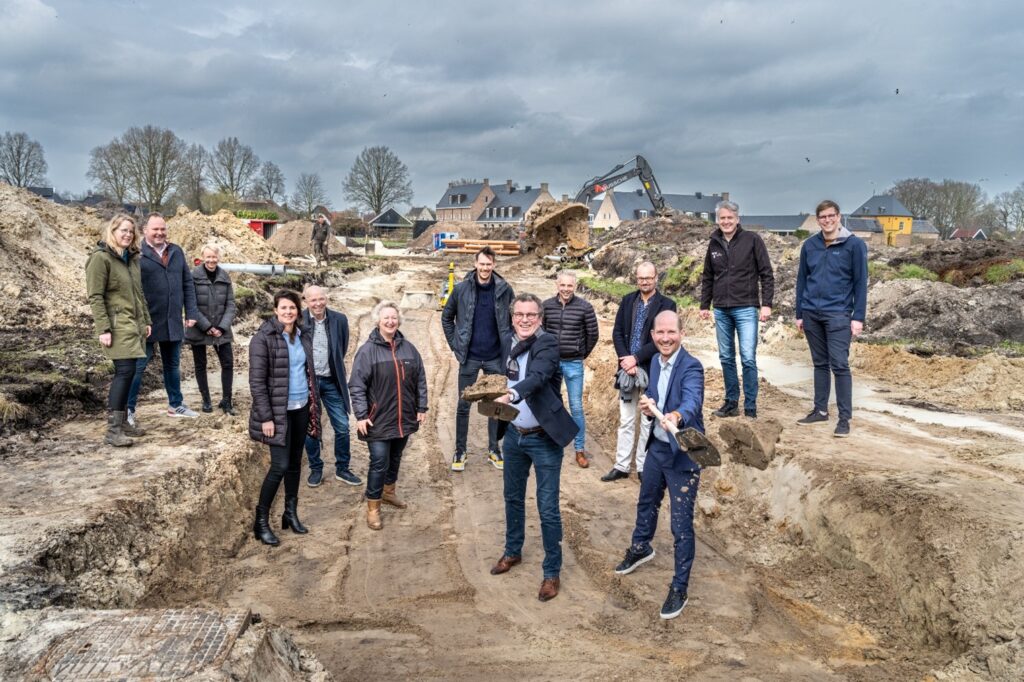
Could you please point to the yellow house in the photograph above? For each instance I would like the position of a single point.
(896, 219)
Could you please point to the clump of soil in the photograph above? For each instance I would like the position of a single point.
(237, 241)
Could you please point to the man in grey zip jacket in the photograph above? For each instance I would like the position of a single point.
(475, 319)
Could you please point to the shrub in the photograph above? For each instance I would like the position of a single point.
(880, 271)
(801, 234)
(911, 271)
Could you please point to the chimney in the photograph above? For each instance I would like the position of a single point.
(725, 196)
(508, 186)
(451, 183)
(543, 187)
(699, 195)
(528, 188)
(565, 197)
(639, 192)
(487, 182)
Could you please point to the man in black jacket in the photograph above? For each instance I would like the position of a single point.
(635, 348)
(475, 319)
(573, 322)
(537, 436)
(735, 263)
(330, 344)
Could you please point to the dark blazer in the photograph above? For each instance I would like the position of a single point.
(337, 344)
(685, 396)
(167, 290)
(268, 383)
(624, 325)
(542, 388)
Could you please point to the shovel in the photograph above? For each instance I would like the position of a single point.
(700, 449)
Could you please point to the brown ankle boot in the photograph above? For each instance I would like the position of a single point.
(373, 515)
(389, 497)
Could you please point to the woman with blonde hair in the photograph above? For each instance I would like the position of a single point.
(215, 298)
(389, 400)
(120, 316)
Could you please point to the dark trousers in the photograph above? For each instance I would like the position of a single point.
(469, 371)
(124, 372)
(286, 460)
(828, 337)
(170, 357)
(546, 457)
(227, 369)
(668, 469)
(385, 459)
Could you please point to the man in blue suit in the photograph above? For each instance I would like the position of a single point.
(677, 389)
(537, 436)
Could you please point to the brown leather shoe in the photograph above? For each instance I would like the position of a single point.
(505, 563)
(548, 589)
(581, 459)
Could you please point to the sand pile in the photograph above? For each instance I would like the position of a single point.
(292, 238)
(237, 241)
(43, 248)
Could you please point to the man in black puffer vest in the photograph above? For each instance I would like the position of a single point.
(573, 322)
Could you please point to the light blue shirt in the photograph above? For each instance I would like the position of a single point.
(663, 376)
(526, 418)
(298, 385)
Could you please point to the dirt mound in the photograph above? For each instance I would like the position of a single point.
(551, 225)
(237, 241)
(43, 248)
(949, 318)
(292, 238)
(963, 263)
(991, 382)
(465, 229)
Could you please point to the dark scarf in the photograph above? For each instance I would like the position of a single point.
(521, 347)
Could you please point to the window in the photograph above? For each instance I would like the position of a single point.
(704, 215)
(901, 225)
(643, 213)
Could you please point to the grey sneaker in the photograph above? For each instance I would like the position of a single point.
(181, 411)
(129, 418)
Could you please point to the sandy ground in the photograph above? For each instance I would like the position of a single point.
(890, 555)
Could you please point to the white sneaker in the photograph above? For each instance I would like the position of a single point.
(129, 418)
(181, 411)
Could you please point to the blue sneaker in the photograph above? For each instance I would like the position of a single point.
(316, 477)
(348, 477)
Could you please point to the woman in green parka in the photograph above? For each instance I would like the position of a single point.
(120, 316)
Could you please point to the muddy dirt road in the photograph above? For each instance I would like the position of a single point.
(891, 555)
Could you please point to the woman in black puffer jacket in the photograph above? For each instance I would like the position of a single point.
(215, 298)
(284, 408)
(388, 386)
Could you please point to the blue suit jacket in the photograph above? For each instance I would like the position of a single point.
(685, 396)
(337, 344)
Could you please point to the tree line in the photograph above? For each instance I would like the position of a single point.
(153, 167)
(953, 204)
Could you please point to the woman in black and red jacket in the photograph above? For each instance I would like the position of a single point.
(388, 386)
(284, 408)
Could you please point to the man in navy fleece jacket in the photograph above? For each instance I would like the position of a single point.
(831, 298)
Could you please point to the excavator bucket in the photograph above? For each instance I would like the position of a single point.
(554, 225)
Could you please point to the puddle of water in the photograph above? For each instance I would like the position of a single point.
(797, 380)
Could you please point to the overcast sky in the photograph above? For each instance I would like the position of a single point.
(780, 103)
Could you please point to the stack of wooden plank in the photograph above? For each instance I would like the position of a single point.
(501, 248)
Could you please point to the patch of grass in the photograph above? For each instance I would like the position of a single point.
(243, 293)
(696, 275)
(911, 271)
(685, 301)
(679, 275)
(285, 282)
(11, 410)
(606, 287)
(1015, 348)
(880, 271)
(394, 244)
(349, 266)
(1000, 273)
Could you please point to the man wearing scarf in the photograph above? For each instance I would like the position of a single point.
(537, 436)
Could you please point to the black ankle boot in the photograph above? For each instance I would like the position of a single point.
(290, 517)
(207, 405)
(261, 528)
(225, 405)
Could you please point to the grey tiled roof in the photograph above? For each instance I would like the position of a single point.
(629, 204)
(518, 198)
(690, 203)
(773, 223)
(922, 226)
(471, 192)
(882, 204)
(862, 224)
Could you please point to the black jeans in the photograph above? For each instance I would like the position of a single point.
(828, 337)
(227, 369)
(385, 458)
(124, 372)
(469, 372)
(286, 461)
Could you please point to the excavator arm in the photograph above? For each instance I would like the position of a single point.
(616, 176)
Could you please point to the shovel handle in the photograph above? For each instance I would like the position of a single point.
(672, 428)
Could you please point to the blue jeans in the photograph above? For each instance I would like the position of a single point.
(730, 323)
(469, 372)
(828, 337)
(572, 372)
(667, 469)
(170, 357)
(546, 457)
(334, 405)
(385, 459)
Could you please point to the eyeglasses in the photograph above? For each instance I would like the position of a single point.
(828, 216)
(525, 316)
(646, 279)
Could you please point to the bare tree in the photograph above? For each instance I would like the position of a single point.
(269, 185)
(22, 163)
(948, 204)
(378, 179)
(309, 193)
(108, 169)
(233, 166)
(192, 179)
(153, 156)
(1009, 207)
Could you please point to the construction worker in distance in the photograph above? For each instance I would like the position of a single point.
(735, 264)
(318, 238)
(831, 302)
(476, 317)
(572, 320)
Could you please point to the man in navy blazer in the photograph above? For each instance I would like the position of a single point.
(634, 347)
(537, 436)
(677, 389)
(330, 343)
